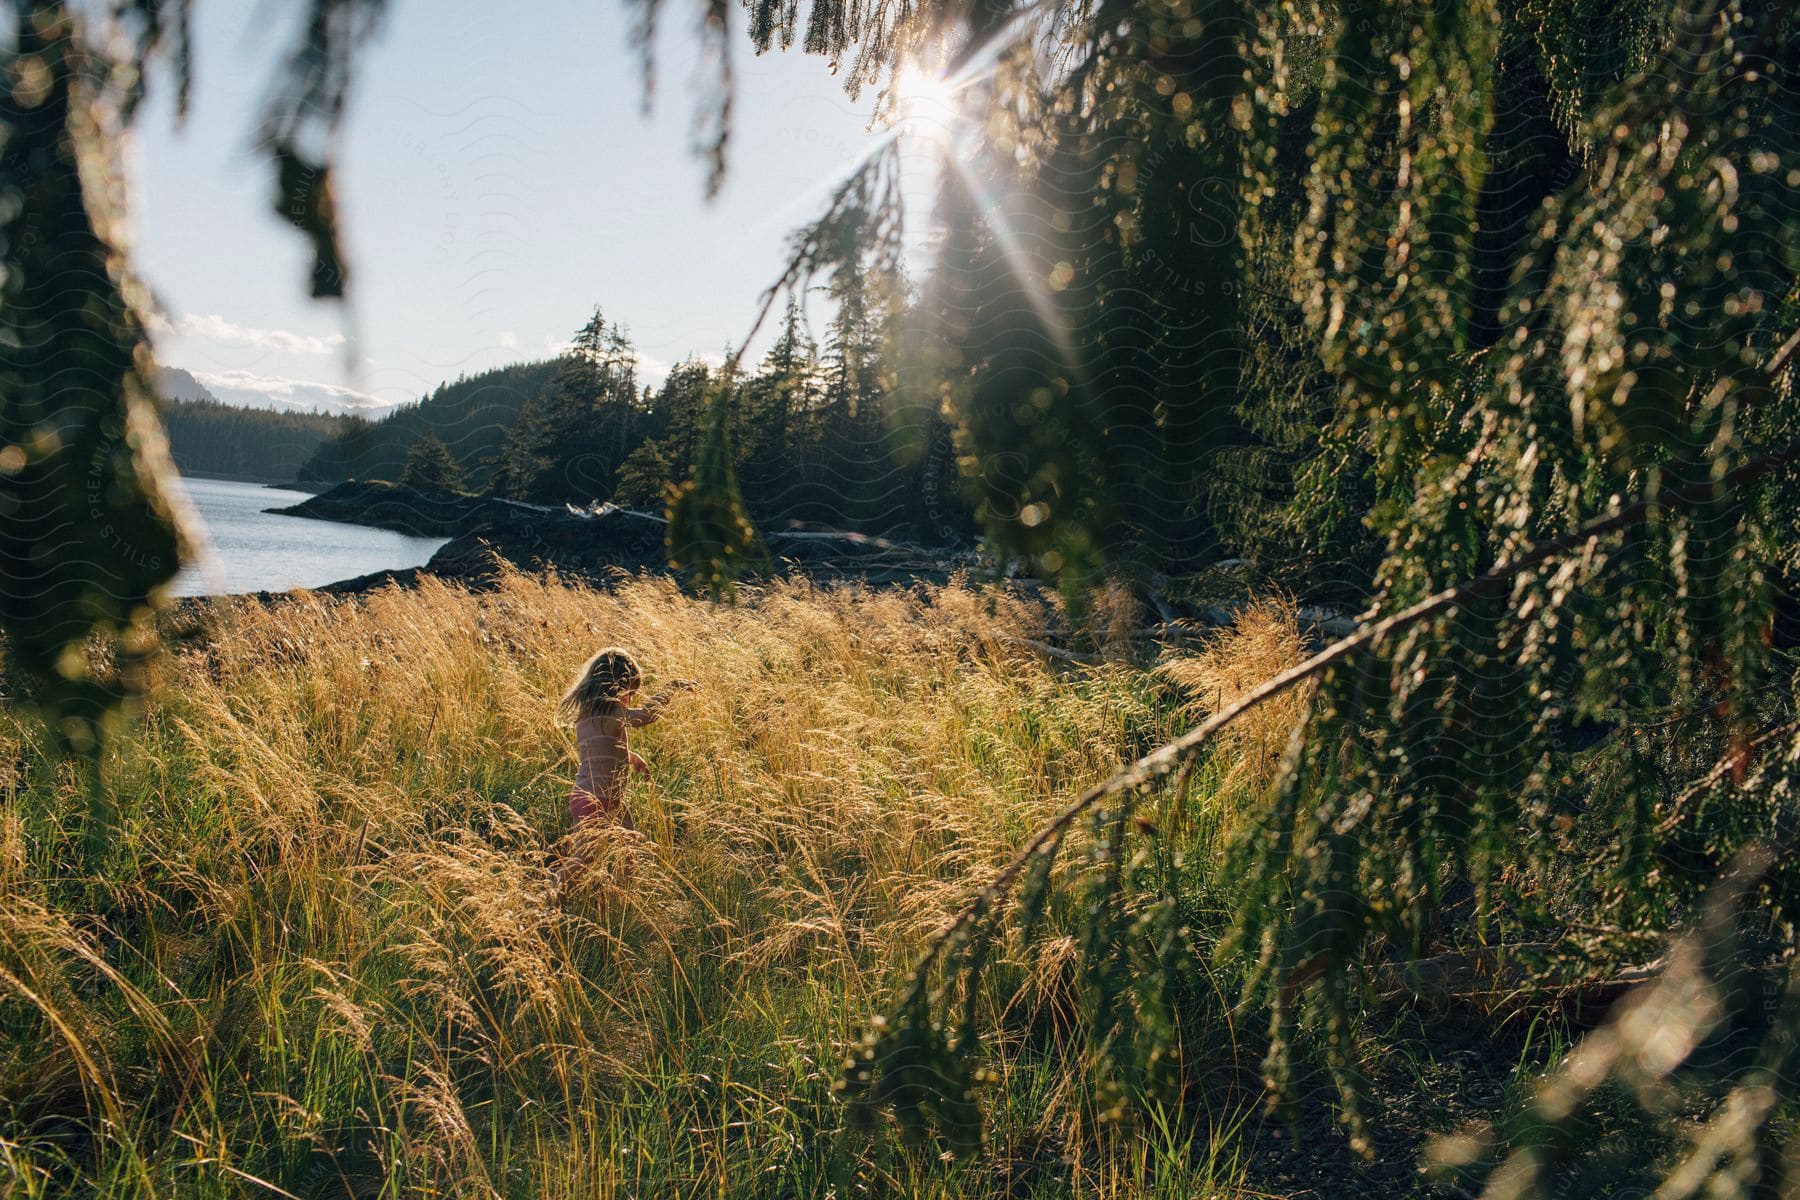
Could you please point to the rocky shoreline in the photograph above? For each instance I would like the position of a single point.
(416, 511)
(595, 545)
(601, 544)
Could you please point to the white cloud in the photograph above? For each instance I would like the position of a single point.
(655, 371)
(215, 328)
(274, 391)
(509, 340)
(652, 370)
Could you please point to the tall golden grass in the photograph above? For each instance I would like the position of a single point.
(328, 954)
(1263, 641)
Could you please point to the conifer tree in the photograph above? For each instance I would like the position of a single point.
(778, 424)
(711, 539)
(523, 459)
(429, 464)
(860, 479)
(582, 431)
(671, 425)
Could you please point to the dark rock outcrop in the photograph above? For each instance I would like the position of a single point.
(596, 546)
(418, 511)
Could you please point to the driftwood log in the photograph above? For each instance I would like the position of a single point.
(1497, 979)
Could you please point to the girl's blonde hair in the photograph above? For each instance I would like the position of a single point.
(602, 680)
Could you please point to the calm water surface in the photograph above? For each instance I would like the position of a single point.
(255, 551)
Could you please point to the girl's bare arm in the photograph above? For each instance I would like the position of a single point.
(653, 707)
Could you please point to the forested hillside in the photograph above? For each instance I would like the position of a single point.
(823, 430)
(470, 415)
(208, 437)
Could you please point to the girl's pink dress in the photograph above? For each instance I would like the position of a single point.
(584, 804)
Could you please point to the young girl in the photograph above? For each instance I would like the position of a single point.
(598, 704)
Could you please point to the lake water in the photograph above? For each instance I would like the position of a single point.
(255, 551)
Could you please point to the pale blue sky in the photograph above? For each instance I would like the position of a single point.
(498, 179)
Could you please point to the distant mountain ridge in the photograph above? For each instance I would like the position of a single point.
(208, 436)
(173, 383)
(229, 435)
(248, 390)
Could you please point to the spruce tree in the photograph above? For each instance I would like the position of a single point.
(777, 422)
(860, 480)
(429, 464)
(572, 443)
(711, 540)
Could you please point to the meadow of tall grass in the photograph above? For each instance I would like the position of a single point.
(322, 950)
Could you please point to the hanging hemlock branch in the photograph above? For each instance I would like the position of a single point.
(90, 531)
(890, 1045)
(1640, 354)
(87, 528)
(302, 118)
